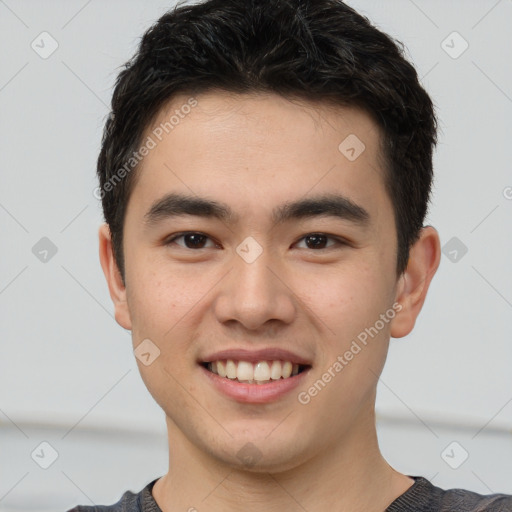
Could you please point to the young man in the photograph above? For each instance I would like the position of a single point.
(265, 175)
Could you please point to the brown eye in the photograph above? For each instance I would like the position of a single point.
(190, 240)
(319, 241)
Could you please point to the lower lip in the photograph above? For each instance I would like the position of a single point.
(255, 393)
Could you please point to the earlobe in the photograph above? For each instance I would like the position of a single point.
(424, 258)
(115, 283)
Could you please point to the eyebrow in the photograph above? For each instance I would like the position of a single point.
(330, 205)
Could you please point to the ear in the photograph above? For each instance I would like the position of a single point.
(424, 258)
(115, 283)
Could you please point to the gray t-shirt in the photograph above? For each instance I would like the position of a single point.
(422, 496)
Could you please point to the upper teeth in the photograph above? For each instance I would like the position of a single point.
(262, 371)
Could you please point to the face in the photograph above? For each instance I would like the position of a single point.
(288, 254)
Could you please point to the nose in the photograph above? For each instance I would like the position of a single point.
(255, 294)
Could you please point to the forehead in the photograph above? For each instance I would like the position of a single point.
(251, 149)
(264, 111)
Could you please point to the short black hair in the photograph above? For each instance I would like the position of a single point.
(314, 50)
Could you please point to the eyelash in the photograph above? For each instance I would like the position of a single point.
(175, 237)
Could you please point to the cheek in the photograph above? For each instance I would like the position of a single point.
(164, 305)
(351, 306)
(158, 299)
(352, 296)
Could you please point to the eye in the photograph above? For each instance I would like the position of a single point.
(192, 240)
(319, 241)
(197, 240)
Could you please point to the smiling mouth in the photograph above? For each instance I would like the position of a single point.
(261, 372)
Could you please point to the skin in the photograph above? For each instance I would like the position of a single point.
(255, 152)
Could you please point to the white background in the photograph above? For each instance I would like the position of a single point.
(65, 363)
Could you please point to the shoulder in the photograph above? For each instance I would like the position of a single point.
(129, 502)
(422, 496)
(460, 499)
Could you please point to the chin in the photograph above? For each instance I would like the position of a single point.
(261, 455)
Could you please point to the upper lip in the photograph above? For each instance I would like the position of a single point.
(253, 356)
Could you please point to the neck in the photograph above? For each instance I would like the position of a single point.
(351, 476)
